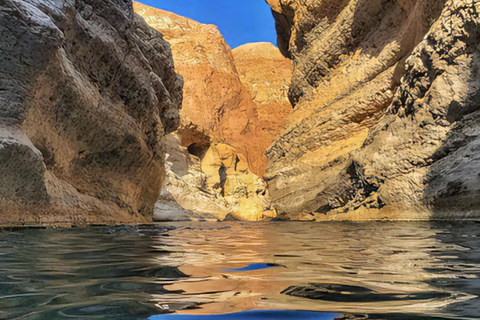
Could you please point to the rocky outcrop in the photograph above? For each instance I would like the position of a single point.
(87, 91)
(217, 186)
(386, 101)
(233, 109)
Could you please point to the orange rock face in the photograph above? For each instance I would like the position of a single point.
(234, 106)
(266, 74)
(238, 99)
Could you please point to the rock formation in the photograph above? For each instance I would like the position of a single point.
(266, 74)
(87, 92)
(233, 108)
(386, 118)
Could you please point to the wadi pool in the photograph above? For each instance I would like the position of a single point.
(236, 271)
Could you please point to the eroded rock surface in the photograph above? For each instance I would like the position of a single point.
(87, 91)
(386, 98)
(266, 74)
(216, 186)
(234, 106)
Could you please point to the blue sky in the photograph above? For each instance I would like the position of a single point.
(239, 21)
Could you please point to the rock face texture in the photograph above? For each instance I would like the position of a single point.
(266, 74)
(386, 110)
(233, 108)
(217, 186)
(87, 92)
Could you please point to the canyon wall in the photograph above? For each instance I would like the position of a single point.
(386, 119)
(87, 92)
(234, 106)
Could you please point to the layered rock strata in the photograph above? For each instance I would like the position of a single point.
(386, 100)
(87, 92)
(234, 106)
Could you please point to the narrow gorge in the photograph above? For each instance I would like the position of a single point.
(240, 160)
(234, 105)
(115, 112)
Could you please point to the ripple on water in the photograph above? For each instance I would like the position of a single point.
(200, 271)
(345, 293)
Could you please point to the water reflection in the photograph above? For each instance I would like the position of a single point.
(249, 315)
(385, 270)
(253, 267)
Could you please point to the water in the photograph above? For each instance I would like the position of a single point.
(278, 270)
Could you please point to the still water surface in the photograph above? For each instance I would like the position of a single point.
(277, 270)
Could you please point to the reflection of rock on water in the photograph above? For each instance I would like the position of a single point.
(355, 268)
(202, 268)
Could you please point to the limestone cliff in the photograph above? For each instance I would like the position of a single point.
(266, 74)
(87, 92)
(229, 117)
(386, 101)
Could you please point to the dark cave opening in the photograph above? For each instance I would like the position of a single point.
(198, 149)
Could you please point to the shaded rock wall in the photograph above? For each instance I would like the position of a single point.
(385, 96)
(87, 91)
(234, 106)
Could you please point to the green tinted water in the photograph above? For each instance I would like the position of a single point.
(278, 270)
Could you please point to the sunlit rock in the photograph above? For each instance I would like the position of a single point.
(266, 75)
(234, 107)
(210, 187)
(385, 97)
